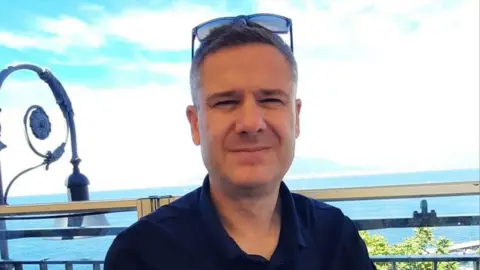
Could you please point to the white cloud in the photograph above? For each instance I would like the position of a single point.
(345, 26)
(91, 7)
(168, 29)
(412, 103)
(79, 61)
(55, 35)
(69, 31)
(12, 40)
(178, 71)
(311, 27)
(128, 138)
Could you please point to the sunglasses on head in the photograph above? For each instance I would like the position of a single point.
(277, 24)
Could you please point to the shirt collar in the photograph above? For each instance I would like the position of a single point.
(291, 236)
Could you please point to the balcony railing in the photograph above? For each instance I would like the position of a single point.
(392, 260)
(144, 206)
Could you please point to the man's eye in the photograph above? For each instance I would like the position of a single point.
(271, 100)
(226, 103)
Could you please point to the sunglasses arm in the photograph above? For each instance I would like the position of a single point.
(291, 37)
(193, 44)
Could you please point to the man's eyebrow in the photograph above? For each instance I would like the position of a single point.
(223, 94)
(273, 92)
(235, 93)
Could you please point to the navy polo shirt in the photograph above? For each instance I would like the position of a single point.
(187, 235)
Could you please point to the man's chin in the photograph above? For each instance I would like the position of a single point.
(252, 178)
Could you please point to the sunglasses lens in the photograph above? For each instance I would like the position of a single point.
(272, 23)
(204, 30)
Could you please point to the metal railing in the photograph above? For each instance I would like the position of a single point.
(145, 206)
(392, 261)
(44, 265)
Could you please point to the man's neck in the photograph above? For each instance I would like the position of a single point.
(249, 219)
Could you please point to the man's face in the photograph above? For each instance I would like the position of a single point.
(248, 115)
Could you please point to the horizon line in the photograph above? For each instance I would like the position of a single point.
(313, 176)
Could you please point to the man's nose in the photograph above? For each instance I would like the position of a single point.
(250, 118)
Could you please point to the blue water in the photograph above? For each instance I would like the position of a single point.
(95, 248)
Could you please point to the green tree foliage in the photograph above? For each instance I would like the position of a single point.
(415, 245)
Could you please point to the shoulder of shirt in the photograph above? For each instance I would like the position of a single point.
(183, 210)
(161, 234)
(182, 207)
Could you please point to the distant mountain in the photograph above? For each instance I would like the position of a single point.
(307, 165)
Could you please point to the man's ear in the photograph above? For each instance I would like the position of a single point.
(298, 108)
(192, 116)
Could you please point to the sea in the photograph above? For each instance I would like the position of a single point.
(96, 247)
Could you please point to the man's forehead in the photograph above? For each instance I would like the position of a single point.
(246, 69)
(261, 55)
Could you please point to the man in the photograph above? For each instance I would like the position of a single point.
(245, 118)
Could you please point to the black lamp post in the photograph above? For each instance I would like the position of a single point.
(77, 183)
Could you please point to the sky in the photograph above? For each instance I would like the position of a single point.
(390, 85)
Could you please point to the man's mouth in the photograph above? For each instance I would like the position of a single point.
(250, 149)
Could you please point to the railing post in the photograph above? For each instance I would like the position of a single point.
(148, 205)
(3, 227)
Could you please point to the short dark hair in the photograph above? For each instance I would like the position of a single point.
(237, 34)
